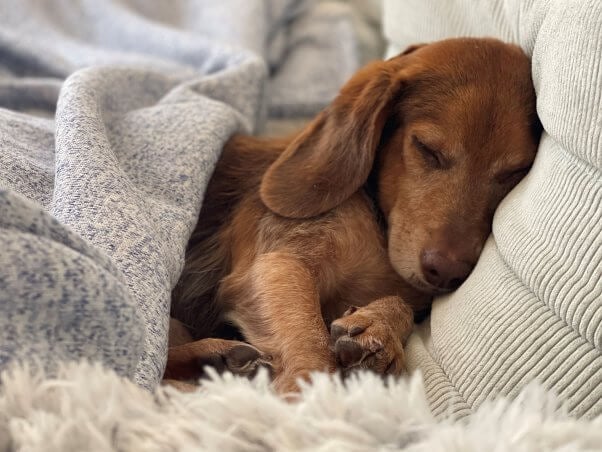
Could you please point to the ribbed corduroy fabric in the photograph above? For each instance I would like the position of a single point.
(532, 309)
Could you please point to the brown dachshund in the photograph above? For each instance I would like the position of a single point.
(320, 248)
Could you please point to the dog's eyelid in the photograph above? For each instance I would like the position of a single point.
(433, 156)
(510, 174)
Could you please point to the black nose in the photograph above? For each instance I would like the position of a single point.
(442, 271)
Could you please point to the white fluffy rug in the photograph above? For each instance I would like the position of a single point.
(89, 408)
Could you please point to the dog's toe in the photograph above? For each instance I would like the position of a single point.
(336, 331)
(362, 340)
(241, 355)
(348, 353)
(244, 359)
(355, 330)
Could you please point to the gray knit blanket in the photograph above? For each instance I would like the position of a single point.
(112, 115)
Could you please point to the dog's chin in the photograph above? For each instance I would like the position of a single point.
(439, 291)
(420, 284)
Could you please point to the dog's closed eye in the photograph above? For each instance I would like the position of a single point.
(432, 157)
(512, 176)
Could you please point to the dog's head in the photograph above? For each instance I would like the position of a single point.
(446, 129)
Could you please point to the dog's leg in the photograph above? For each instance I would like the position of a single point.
(187, 361)
(371, 337)
(178, 333)
(276, 304)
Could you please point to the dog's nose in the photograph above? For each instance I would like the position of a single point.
(442, 271)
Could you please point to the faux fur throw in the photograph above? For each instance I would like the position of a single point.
(88, 408)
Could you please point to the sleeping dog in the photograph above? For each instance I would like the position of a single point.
(321, 247)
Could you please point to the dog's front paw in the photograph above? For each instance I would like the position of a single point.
(362, 339)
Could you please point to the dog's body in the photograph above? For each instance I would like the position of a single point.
(321, 266)
(384, 199)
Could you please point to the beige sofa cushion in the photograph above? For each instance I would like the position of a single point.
(532, 309)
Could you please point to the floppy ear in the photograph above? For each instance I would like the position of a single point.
(332, 158)
(411, 49)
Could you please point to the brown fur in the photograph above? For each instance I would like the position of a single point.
(384, 199)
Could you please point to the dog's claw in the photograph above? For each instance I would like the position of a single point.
(350, 310)
(355, 330)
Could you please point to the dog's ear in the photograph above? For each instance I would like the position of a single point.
(411, 49)
(332, 158)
